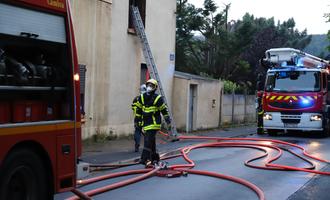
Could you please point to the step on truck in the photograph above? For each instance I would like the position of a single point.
(40, 130)
(295, 96)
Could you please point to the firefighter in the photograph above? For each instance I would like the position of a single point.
(260, 111)
(151, 105)
(260, 115)
(137, 119)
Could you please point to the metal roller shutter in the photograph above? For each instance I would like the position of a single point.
(82, 74)
(22, 22)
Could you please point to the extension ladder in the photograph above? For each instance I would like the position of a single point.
(139, 28)
(299, 58)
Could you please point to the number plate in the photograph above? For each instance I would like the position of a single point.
(286, 125)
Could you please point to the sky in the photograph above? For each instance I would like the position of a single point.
(307, 14)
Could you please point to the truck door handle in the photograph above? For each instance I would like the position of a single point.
(25, 34)
(29, 35)
(34, 35)
(66, 149)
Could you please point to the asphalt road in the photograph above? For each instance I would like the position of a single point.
(276, 185)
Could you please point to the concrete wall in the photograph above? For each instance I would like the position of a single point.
(113, 58)
(243, 107)
(207, 113)
(180, 102)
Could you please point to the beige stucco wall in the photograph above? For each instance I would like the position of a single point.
(207, 114)
(113, 58)
(92, 26)
(160, 29)
(180, 102)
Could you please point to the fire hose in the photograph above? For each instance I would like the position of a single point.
(259, 144)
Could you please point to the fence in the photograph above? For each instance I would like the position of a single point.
(238, 108)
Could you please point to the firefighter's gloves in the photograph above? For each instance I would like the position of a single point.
(137, 122)
(168, 120)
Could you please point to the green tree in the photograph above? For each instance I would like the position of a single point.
(266, 35)
(327, 16)
(208, 44)
(184, 36)
(214, 51)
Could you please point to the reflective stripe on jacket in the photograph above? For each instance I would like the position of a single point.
(134, 106)
(137, 116)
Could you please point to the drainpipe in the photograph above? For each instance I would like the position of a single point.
(232, 106)
(220, 107)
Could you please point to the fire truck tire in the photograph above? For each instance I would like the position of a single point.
(326, 127)
(324, 133)
(272, 132)
(23, 176)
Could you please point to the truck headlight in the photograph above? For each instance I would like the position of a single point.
(316, 118)
(268, 116)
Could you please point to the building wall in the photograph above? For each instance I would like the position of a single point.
(113, 58)
(207, 113)
(92, 26)
(161, 32)
(180, 102)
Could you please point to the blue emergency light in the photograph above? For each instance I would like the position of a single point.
(305, 102)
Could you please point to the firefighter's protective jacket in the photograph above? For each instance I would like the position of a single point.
(149, 106)
(137, 116)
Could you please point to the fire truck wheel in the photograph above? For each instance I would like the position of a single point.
(326, 127)
(23, 176)
(324, 133)
(272, 132)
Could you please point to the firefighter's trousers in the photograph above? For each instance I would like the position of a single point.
(149, 149)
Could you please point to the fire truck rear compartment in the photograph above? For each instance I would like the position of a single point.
(34, 85)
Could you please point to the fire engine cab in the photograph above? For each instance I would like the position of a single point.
(295, 95)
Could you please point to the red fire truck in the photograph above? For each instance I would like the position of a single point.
(40, 129)
(295, 95)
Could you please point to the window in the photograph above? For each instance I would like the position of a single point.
(144, 74)
(293, 81)
(141, 4)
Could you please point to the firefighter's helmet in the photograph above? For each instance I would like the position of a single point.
(152, 81)
(152, 84)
